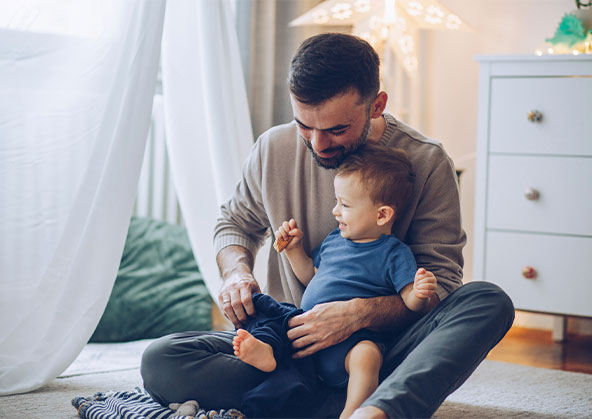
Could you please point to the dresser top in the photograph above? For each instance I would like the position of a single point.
(535, 66)
(533, 58)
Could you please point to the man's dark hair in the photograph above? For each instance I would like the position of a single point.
(331, 64)
(385, 172)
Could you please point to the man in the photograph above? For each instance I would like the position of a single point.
(334, 92)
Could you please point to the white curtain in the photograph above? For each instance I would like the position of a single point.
(206, 117)
(76, 85)
(267, 42)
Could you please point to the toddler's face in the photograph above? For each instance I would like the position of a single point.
(354, 210)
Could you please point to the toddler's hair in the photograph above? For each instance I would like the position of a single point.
(385, 172)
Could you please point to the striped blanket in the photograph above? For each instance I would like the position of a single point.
(137, 404)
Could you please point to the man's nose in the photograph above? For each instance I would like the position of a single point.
(319, 140)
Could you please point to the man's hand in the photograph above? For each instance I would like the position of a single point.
(236, 294)
(236, 298)
(330, 323)
(368, 412)
(323, 326)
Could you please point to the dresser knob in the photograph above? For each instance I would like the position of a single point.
(532, 194)
(529, 272)
(535, 116)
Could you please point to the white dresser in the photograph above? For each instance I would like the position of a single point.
(533, 202)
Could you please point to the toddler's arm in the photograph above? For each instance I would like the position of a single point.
(417, 295)
(301, 263)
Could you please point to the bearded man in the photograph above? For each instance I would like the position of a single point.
(334, 92)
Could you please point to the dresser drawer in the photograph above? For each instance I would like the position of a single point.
(562, 283)
(565, 106)
(564, 185)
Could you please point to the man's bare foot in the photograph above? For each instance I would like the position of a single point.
(253, 351)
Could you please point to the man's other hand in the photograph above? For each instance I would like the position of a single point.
(322, 326)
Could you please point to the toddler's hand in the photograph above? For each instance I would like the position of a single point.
(425, 284)
(290, 229)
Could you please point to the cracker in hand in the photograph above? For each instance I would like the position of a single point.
(281, 243)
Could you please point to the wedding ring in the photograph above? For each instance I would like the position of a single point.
(225, 301)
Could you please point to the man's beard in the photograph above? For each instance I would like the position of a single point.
(342, 151)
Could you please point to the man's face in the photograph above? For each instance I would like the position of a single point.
(333, 129)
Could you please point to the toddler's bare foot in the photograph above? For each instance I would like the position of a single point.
(253, 351)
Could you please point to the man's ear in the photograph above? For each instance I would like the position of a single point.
(385, 214)
(378, 106)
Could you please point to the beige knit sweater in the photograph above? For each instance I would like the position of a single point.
(281, 181)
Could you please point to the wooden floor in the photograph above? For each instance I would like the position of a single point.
(536, 348)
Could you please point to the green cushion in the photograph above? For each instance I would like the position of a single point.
(158, 290)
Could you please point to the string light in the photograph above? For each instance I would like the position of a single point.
(320, 17)
(362, 6)
(573, 34)
(415, 8)
(434, 15)
(342, 11)
(453, 22)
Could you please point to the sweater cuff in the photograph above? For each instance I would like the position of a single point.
(229, 239)
(442, 293)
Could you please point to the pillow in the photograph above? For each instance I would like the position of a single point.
(159, 288)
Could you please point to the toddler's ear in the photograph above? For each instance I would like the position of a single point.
(385, 214)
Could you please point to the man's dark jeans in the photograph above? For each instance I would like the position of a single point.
(424, 363)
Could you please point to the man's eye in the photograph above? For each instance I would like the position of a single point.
(338, 133)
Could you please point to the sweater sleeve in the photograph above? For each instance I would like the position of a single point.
(435, 235)
(243, 220)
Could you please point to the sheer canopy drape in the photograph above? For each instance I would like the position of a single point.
(76, 87)
(207, 121)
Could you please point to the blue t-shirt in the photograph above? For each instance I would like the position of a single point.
(346, 269)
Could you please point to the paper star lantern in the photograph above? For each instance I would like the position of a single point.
(389, 24)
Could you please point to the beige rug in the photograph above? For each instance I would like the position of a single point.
(496, 389)
(499, 390)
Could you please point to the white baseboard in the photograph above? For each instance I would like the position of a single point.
(579, 326)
